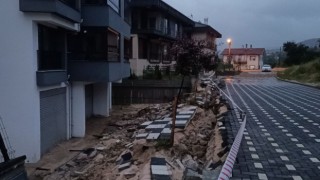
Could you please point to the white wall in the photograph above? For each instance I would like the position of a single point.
(19, 97)
(78, 103)
(101, 99)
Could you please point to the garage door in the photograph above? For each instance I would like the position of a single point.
(53, 118)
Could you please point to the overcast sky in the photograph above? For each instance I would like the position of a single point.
(262, 23)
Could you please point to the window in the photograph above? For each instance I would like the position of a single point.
(51, 53)
(94, 44)
(127, 48)
(155, 53)
(113, 46)
(90, 44)
(115, 5)
(143, 51)
(165, 26)
(252, 58)
(175, 30)
(152, 22)
(127, 11)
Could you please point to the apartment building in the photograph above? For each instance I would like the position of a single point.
(155, 25)
(57, 61)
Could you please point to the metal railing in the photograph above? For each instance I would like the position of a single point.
(226, 171)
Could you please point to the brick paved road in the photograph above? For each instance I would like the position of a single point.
(282, 137)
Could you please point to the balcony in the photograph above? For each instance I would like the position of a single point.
(155, 32)
(51, 68)
(108, 17)
(240, 61)
(68, 9)
(98, 71)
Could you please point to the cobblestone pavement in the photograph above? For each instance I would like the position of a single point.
(282, 136)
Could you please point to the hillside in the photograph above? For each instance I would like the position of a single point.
(305, 73)
(311, 42)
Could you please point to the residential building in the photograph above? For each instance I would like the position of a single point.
(244, 58)
(155, 25)
(206, 33)
(57, 61)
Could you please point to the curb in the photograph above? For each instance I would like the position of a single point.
(294, 82)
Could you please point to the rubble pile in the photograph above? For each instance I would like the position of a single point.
(124, 150)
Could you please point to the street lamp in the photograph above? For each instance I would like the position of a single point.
(229, 41)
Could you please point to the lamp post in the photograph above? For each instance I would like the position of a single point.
(229, 41)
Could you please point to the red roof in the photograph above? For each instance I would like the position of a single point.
(244, 51)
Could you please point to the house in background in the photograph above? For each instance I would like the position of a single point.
(244, 58)
(155, 25)
(58, 59)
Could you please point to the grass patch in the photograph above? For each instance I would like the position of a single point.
(305, 73)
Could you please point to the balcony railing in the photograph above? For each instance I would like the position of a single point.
(240, 62)
(95, 56)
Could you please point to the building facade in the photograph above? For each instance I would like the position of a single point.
(57, 61)
(155, 25)
(244, 58)
(207, 34)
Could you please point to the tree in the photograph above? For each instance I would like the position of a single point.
(298, 53)
(191, 57)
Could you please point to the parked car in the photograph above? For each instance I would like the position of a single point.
(266, 68)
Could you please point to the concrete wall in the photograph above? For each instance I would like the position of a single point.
(101, 99)
(78, 109)
(19, 98)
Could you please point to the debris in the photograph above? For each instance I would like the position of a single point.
(190, 163)
(180, 164)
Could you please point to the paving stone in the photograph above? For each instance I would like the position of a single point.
(142, 136)
(290, 167)
(300, 145)
(258, 165)
(297, 178)
(315, 160)
(306, 152)
(262, 176)
(284, 158)
(153, 136)
(255, 156)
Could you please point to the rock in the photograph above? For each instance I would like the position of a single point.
(71, 164)
(92, 154)
(82, 156)
(203, 143)
(214, 165)
(198, 151)
(130, 172)
(99, 158)
(101, 148)
(188, 162)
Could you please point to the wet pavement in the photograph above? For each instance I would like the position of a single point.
(282, 136)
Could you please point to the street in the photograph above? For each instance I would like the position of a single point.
(282, 137)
